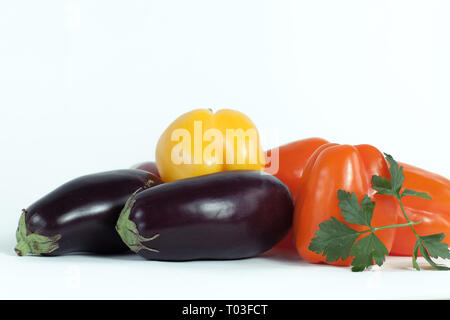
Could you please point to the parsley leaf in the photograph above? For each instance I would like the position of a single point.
(409, 192)
(397, 176)
(435, 247)
(366, 251)
(352, 211)
(382, 185)
(431, 246)
(334, 239)
(393, 187)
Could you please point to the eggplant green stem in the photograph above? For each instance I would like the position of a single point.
(33, 243)
(128, 231)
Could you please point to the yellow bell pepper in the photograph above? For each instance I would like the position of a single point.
(202, 142)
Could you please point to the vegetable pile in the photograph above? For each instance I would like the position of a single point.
(214, 194)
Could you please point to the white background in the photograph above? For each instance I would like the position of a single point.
(88, 86)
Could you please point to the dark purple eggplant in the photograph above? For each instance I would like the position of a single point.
(226, 215)
(149, 166)
(80, 215)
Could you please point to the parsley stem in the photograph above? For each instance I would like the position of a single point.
(419, 240)
(410, 223)
(407, 224)
(405, 215)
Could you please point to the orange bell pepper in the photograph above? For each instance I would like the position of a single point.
(292, 158)
(434, 213)
(330, 168)
(202, 142)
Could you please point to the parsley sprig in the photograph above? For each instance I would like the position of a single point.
(336, 240)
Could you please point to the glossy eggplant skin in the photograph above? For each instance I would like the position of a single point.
(80, 216)
(149, 166)
(226, 215)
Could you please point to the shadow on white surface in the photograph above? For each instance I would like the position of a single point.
(7, 245)
(281, 254)
(276, 255)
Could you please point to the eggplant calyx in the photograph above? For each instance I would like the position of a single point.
(128, 231)
(151, 181)
(33, 243)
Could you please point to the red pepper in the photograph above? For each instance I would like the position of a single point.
(292, 158)
(434, 214)
(334, 167)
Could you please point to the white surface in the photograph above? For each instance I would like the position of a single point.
(275, 275)
(88, 86)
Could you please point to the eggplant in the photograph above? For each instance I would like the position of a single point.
(80, 215)
(149, 166)
(226, 215)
